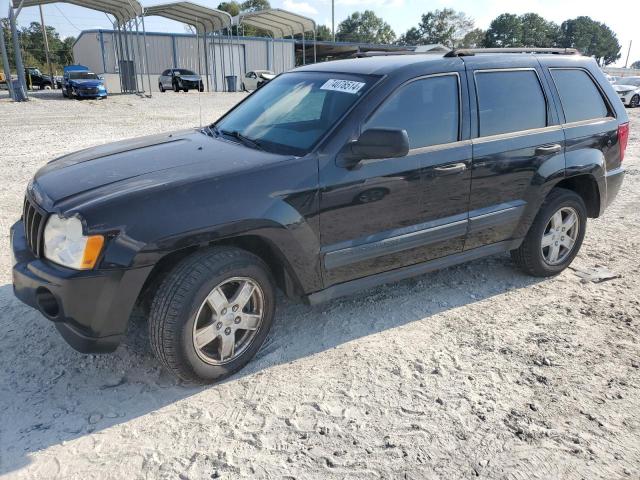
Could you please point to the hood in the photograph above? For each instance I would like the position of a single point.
(623, 88)
(86, 82)
(133, 166)
(268, 76)
(190, 78)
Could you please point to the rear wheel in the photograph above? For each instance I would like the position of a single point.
(635, 101)
(185, 90)
(161, 88)
(555, 236)
(211, 314)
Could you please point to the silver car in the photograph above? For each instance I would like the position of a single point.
(177, 79)
(628, 89)
(256, 78)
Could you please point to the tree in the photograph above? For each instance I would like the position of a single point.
(590, 38)
(255, 5)
(636, 64)
(538, 32)
(445, 26)
(32, 43)
(473, 39)
(323, 33)
(365, 27)
(232, 7)
(504, 31)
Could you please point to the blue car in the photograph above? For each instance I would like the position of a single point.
(79, 82)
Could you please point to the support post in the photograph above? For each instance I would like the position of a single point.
(304, 51)
(146, 56)
(214, 65)
(206, 59)
(5, 64)
(21, 94)
(315, 40)
(140, 57)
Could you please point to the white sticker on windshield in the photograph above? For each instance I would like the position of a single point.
(345, 86)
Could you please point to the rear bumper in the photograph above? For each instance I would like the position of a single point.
(614, 180)
(90, 309)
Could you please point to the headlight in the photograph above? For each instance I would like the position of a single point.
(65, 244)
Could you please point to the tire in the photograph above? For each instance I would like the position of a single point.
(175, 87)
(161, 88)
(530, 257)
(635, 101)
(185, 90)
(177, 308)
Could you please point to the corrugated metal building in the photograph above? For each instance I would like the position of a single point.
(97, 50)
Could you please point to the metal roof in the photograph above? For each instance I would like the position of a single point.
(279, 22)
(123, 10)
(204, 19)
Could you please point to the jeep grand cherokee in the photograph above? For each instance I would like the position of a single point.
(332, 178)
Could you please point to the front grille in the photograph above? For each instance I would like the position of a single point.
(34, 220)
(89, 91)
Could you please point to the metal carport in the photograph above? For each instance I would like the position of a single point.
(280, 23)
(125, 13)
(206, 21)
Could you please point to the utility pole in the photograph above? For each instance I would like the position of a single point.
(20, 93)
(628, 52)
(46, 47)
(333, 20)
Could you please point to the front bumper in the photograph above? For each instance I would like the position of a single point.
(91, 94)
(90, 309)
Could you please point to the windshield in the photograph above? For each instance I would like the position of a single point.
(83, 76)
(183, 72)
(629, 81)
(294, 111)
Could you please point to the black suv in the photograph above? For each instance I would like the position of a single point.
(332, 178)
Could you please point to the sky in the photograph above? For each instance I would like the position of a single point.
(400, 14)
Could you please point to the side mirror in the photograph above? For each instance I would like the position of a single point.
(375, 143)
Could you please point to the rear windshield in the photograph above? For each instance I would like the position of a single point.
(290, 114)
(83, 76)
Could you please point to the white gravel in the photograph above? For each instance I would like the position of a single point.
(474, 371)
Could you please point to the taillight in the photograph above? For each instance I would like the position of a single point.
(623, 138)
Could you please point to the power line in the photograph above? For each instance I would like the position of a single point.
(70, 22)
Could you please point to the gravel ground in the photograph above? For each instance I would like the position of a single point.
(473, 371)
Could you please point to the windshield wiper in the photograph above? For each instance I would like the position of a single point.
(211, 130)
(249, 142)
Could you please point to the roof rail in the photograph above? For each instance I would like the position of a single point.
(465, 52)
(383, 53)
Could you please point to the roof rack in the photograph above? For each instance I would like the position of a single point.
(465, 52)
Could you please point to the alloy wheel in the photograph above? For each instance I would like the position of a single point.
(228, 320)
(560, 235)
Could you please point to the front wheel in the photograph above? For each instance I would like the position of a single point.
(635, 101)
(161, 88)
(211, 314)
(555, 236)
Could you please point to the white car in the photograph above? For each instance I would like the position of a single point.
(256, 78)
(628, 89)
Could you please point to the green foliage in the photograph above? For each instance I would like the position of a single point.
(591, 38)
(232, 7)
(636, 64)
(445, 26)
(323, 33)
(473, 39)
(32, 43)
(504, 31)
(365, 27)
(528, 30)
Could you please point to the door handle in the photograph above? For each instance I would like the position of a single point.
(451, 169)
(547, 149)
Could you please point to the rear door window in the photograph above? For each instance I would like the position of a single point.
(428, 109)
(581, 99)
(510, 101)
